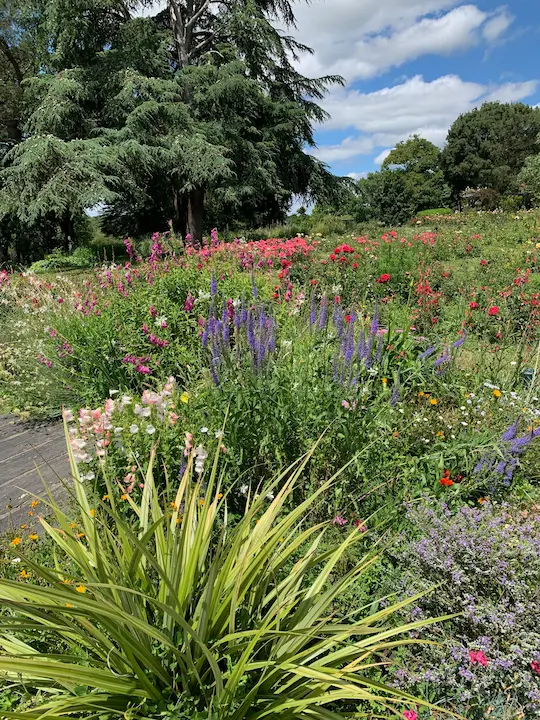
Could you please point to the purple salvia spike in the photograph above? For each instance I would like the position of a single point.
(323, 315)
(374, 329)
(313, 311)
(379, 350)
(427, 353)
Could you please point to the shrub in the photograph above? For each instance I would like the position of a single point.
(487, 562)
(436, 211)
(80, 258)
(174, 612)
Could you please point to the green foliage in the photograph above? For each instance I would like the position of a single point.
(436, 211)
(176, 611)
(488, 146)
(57, 260)
(385, 196)
(420, 161)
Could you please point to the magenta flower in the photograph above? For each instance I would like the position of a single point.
(338, 520)
(410, 715)
(477, 656)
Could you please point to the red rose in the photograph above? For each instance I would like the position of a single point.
(332, 257)
(493, 310)
(483, 262)
(354, 265)
(384, 278)
(473, 305)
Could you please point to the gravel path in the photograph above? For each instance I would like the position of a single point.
(30, 455)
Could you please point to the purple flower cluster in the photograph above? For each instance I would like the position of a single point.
(239, 333)
(139, 363)
(485, 564)
(501, 464)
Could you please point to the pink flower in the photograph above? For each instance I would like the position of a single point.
(477, 656)
(410, 715)
(493, 310)
(360, 525)
(535, 667)
(338, 520)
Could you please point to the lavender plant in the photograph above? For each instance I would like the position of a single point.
(486, 564)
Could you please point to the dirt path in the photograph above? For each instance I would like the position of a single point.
(29, 455)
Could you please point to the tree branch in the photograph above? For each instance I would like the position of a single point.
(205, 5)
(202, 45)
(4, 47)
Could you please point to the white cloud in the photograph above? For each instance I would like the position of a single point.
(381, 157)
(385, 117)
(363, 39)
(497, 25)
(357, 175)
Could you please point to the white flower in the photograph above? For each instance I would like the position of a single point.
(133, 429)
(88, 476)
(161, 321)
(204, 430)
(142, 411)
(16, 560)
(244, 489)
(113, 392)
(219, 434)
(118, 430)
(150, 429)
(270, 496)
(68, 416)
(126, 400)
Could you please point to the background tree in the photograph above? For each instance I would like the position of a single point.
(487, 147)
(384, 196)
(420, 161)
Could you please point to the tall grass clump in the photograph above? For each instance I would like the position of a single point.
(160, 607)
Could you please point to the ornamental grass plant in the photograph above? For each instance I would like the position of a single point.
(172, 611)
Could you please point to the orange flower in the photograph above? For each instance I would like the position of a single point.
(34, 503)
(80, 589)
(497, 393)
(80, 535)
(123, 497)
(446, 482)
(433, 401)
(16, 541)
(24, 574)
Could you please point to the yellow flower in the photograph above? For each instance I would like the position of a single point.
(33, 536)
(421, 393)
(174, 506)
(497, 393)
(123, 497)
(384, 380)
(72, 525)
(395, 434)
(92, 513)
(80, 535)
(34, 503)
(481, 501)
(16, 541)
(24, 527)
(184, 397)
(24, 574)
(80, 589)
(220, 495)
(69, 605)
(440, 434)
(201, 502)
(433, 401)
(105, 497)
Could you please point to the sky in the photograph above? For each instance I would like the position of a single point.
(413, 66)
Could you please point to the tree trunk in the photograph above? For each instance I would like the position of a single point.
(180, 213)
(195, 215)
(68, 228)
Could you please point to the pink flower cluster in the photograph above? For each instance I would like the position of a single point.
(139, 363)
(154, 339)
(478, 657)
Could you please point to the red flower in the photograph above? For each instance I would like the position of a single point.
(483, 262)
(473, 305)
(354, 265)
(384, 278)
(332, 257)
(313, 282)
(347, 318)
(493, 310)
(477, 656)
(446, 481)
(535, 667)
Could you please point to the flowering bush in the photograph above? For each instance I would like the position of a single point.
(485, 562)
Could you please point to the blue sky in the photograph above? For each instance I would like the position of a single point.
(412, 66)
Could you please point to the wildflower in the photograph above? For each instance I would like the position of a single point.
(433, 401)
(483, 262)
(150, 430)
(477, 656)
(421, 393)
(24, 574)
(270, 496)
(360, 525)
(384, 278)
(33, 536)
(244, 489)
(16, 541)
(384, 380)
(133, 429)
(446, 482)
(92, 512)
(483, 500)
(473, 305)
(80, 589)
(535, 667)
(80, 535)
(69, 605)
(410, 715)
(104, 498)
(124, 496)
(338, 520)
(493, 310)
(184, 397)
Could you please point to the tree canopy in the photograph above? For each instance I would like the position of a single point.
(195, 113)
(488, 146)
